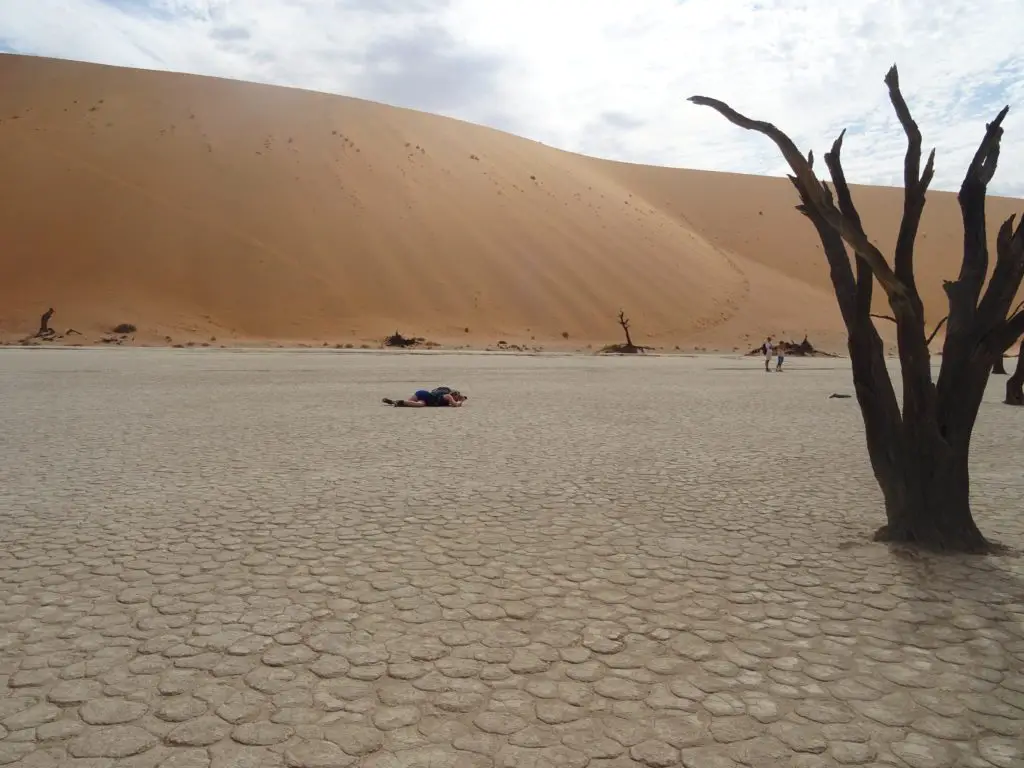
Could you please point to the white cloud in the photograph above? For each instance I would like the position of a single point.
(603, 77)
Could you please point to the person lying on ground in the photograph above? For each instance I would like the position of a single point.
(441, 397)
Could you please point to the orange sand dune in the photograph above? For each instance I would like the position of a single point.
(197, 207)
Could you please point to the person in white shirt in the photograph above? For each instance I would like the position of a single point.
(767, 354)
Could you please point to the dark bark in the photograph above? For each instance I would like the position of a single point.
(974, 266)
(1015, 384)
(915, 184)
(935, 332)
(919, 453)
(929, 505)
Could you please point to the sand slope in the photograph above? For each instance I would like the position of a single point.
(196, 207)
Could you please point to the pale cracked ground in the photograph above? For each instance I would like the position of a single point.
(243, 559)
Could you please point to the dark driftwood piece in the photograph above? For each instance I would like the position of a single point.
(919, 454)
(398, 340)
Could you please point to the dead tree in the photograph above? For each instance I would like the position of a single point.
(398, 340)
(44, 323)
(1015, 384)
(624, 322)
(999, 366)
(629, 348)
(919, 454)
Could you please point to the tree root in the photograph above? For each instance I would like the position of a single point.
(936, 542)
(624, 349)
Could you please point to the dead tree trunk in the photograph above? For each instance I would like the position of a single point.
(999, 366)
(44, 323)
(1015, 384)
(919, 453)
(624, 322)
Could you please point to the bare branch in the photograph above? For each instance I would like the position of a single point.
(835, 252)
(850, 232)
(931, 338)
(1010, 331)
(938, 327)
(972, 208)
(912, 165)
(983, 166)
(914, 183)
(1006, 277)
(833, 160)
(929, 169)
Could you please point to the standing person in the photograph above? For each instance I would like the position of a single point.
(780, 359)
(440, 397)
(767, 354)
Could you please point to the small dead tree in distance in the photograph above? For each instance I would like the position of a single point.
(624, 322)
(920, 455)
(629, 347)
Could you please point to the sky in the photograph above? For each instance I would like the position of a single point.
(608, 78)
